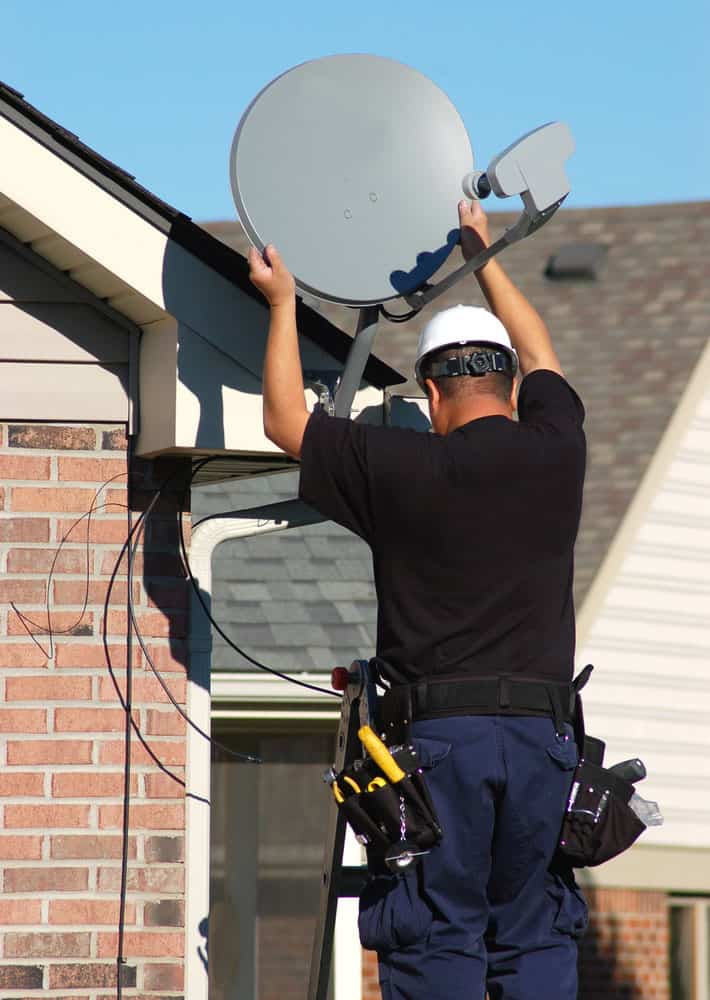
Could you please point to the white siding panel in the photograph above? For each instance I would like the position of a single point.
(63, 392)
(60, 332)
(650, 640)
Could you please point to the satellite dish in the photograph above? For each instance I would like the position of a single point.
(352, 166)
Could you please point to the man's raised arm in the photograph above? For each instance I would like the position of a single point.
(526, 328)
(285, 412)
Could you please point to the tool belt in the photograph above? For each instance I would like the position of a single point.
(598, 823)
(438, 698)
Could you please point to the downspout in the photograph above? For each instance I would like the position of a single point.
(206, 536)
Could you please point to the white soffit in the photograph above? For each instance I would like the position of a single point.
(646, 627)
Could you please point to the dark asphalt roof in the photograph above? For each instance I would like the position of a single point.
(175, 224)
(628, 341)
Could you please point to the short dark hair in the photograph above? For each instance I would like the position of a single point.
(460, 387)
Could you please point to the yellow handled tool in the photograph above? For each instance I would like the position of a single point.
(381, 755)
(376, 783)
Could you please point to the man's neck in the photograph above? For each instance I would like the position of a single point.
(474, 410)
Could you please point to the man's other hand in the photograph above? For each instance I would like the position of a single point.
(474, 228)
(271, 276)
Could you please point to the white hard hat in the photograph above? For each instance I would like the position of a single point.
(461, 325)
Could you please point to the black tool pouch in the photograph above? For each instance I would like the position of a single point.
(598, 823)
(383, 814)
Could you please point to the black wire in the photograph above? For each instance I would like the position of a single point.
(394, 318)
(125, 825)
(250, 758)
(218, 628)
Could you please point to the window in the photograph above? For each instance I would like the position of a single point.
(267, 833)
(689, 922)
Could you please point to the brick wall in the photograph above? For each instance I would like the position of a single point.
(624, 955)
(62, 722)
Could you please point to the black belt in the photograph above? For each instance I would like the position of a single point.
(439, 698)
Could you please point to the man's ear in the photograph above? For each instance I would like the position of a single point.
(514, 394)
(433, 394)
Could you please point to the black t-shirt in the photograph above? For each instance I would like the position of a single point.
(471, 532)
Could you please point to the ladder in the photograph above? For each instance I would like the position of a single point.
(338, 881)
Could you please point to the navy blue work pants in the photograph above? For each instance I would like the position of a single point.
(488, 909)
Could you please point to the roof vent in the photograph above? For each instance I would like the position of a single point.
(576, 262)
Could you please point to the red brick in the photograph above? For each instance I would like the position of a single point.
(77, 593)
(143, 817)
(24, 467)
(23, 720)
(67, 846)
(164, 913)
(164, 849)
(46, 879)
(146, 688)
(95, 784)
(89, 975)
(23, 591)
(152, 624)
(114, 440)
(89, 654)
(91, 470)
(49, 752)
(24, 977)
(157, 944)
(159, 976)
(89, 720)
(20, 911)
(22, 654)
(156, 564)
(88, 911)
(162, 786)
(169, 723)
(52, 499)
(51, 436)
(48, 688)
(24, 529)
(2, 498)
(167, 752)
(16, 848)
(101, 530)
(19, 783)
(168, 658)
(147, 880)
(169, 595)
(66, 945)
(40, 560)
(67, 622)
(115, 563)
(45, 817)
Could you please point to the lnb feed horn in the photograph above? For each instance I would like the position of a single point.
(532, 166)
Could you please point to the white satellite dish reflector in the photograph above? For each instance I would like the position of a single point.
(352, 166)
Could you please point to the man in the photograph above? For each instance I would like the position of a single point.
(472, 531)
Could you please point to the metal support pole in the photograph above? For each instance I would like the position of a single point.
(357, 359)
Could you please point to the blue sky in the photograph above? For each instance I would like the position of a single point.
(159, 86)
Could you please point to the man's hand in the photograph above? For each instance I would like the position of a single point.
(271, 276)
(474, 228)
